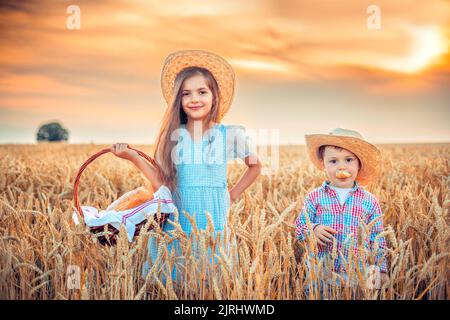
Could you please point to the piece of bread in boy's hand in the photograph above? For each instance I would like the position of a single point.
(342, 174)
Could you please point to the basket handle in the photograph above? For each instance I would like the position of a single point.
(95, 156)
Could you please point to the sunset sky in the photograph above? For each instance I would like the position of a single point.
(301, 66)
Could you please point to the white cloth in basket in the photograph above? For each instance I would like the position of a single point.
(131, 217)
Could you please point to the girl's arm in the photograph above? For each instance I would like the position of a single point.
(249, 176)
(149, 172)
(123, 150)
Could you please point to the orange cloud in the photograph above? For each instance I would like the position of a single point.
(114, 61)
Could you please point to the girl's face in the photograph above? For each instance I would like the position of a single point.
(338, 161)
(196, 98)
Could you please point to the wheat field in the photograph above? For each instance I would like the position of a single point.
(39, 240)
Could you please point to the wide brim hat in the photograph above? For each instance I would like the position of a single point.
(369, 155)
(219, 68)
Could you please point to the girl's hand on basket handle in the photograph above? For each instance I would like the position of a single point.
(123, 151)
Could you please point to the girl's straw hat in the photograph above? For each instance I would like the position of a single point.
(369, 155)
(219, 68)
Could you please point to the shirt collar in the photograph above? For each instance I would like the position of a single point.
(326, 186)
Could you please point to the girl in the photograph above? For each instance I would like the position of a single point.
(198, 87)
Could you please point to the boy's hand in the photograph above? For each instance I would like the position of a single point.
(121, 150)
(376, 284)
(384, 278)
(324, 234)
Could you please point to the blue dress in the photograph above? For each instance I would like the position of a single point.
(202, 184)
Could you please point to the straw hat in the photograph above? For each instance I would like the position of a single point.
(219, 68)
(369, 155)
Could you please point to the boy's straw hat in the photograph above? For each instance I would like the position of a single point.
(369, 155)
(219, 68)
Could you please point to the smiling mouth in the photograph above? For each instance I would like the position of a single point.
(195, 108)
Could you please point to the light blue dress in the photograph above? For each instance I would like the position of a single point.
(202, 183)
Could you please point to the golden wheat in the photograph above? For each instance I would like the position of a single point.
(39, 242)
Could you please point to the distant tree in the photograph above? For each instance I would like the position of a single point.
(53, 131)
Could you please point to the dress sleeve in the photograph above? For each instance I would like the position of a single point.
(239, 144)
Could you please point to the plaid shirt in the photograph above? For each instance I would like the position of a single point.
(323, 207)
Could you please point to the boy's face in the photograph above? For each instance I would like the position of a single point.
(341, 166)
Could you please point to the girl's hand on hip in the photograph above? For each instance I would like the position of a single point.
(232, 196)
(122, 150)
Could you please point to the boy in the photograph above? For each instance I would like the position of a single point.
(338, 209)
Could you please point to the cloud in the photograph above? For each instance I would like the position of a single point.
(113, 64)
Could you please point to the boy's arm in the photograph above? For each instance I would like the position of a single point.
(375, 230)
(301, 225)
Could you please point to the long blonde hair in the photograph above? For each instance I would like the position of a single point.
(175, 116)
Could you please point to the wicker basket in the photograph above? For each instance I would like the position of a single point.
(107, 234)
